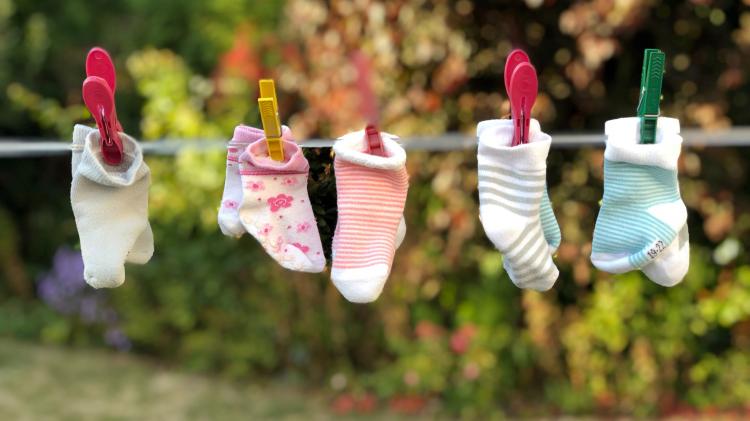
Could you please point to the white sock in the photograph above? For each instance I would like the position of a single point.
(671, 266)
(143, 248)
(110, 205)
(512, 183)
(229, 212)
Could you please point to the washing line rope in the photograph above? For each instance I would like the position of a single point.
(30, 147)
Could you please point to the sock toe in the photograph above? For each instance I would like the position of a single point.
(295, 259)
(670, 269)
(540, 284)
(139, 258)
(361, 285)
(231, 226)
(109, 278)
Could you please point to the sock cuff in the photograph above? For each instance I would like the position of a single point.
(496, 137)
(256, 158)
(92, 164)
(80, 132)
(351, 148)
(245, 134)
(623, 137)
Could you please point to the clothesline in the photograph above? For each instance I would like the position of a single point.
(31, 147)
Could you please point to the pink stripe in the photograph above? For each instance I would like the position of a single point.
(269, 172)
(371, 202)
(373, 213)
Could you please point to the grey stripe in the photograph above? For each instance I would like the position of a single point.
(538, 243)
(512, 174)
(531, 269)
(509, 196)
(520, 238)
(536, 276)
(537, 236)
(492, 201)
(536, 188)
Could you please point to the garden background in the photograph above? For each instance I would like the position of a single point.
(214, 320)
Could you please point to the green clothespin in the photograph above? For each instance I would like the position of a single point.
(648, 104)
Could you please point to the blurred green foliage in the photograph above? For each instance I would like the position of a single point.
(450, 325)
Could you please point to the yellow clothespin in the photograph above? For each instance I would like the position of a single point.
(269, 115)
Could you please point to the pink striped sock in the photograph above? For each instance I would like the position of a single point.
(371, 196)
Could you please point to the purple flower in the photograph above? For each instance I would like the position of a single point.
(64, 289)
(62, 286)
(117, 339)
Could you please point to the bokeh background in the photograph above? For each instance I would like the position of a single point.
(212, 328)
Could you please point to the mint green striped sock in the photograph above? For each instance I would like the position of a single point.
(642, 212)
(625, 224)
(549, 223)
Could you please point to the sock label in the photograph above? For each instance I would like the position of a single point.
(657, 248)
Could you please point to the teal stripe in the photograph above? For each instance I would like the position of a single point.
(549, 223)
(624, 224)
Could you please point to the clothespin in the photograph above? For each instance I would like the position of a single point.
(98, 95)
(652, 76)
(374, 141)
(522, 86)
(269, 115)
(99, 63)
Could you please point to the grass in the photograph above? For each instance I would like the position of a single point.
(51, 383)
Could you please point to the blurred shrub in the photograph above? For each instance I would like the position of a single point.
(450, 324)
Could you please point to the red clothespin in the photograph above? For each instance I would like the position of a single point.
(522, 86)
(99, 63)
(374, 141)
(98, 95)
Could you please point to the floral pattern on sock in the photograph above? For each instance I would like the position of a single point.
(304, 226)
(289, 181)
(279, 202)
(255, 185)
(302, 247)
(275, 209)
(265, 229)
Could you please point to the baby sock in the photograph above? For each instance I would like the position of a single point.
(371, 197)
(229, 212)
(110, 205)
(513, 204)
(642, 217)
(275, 207)
(671, 266)
(549, 223)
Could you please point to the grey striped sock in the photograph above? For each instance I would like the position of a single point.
(510, 201)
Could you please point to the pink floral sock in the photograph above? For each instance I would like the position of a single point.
(229, 216)
(275, 207)
(371, 197)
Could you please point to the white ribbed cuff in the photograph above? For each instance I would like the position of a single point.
(496, 137)
(623, 137)
(351, 147)
(91, 165)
